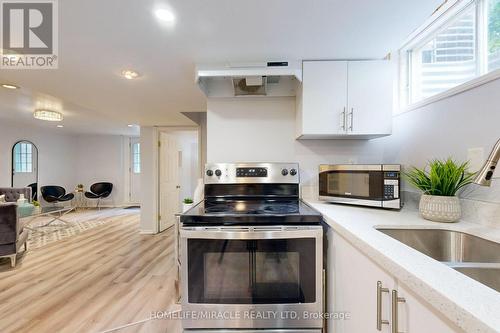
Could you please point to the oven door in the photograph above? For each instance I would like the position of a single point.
(252, 277)
(362, 185)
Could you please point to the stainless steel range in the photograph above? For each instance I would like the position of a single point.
(252, 253)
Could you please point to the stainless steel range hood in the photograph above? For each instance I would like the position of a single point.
(249, 79)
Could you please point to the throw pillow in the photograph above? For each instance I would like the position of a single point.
(2, 198)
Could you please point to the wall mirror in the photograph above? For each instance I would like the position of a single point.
(25, 166)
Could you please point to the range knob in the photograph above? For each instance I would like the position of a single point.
(210, 173)
(284, 172)
(293, 172)
(218, 173)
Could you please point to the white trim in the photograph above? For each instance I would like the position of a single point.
(147, 232)
(442, 14)
(476, 82)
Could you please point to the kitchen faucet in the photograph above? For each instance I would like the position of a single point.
(485, 175)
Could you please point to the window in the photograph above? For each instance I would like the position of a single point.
(136, 157)
(462, 43)
(23, 157)
(493, 34)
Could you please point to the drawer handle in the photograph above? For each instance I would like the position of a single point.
(380, 321)
(395, 302)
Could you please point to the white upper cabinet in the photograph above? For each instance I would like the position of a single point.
(345, 100)
(370, 98)
(324, 99)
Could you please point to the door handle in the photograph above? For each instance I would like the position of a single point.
(395, 301)
(351, 127)
(178, 186)
(380, 321)
(343, 119)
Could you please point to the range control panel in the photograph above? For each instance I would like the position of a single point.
(251, 172)
(234, 173)
(391, 185)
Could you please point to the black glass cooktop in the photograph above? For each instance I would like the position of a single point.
(259, 211)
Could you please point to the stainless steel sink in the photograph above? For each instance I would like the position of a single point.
(446, 245)
(473, 256)
(489, 276)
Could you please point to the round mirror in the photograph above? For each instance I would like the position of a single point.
(25, 166)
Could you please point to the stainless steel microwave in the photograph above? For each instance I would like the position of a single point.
(375, 185)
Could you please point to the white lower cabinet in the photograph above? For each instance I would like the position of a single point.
(414, 315)
(359, 287)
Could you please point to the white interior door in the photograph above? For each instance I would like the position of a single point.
(135, 171)
(169, 181)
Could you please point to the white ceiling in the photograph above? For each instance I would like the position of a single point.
(97, 39)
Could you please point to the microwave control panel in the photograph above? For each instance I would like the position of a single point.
(391, 185)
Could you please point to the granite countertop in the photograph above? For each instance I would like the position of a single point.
(467, 303)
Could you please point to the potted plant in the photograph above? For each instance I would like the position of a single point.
(439, 201)
(187, 203)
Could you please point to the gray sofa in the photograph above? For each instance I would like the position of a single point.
(13, 235)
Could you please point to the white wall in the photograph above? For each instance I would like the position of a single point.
(449, 128)
(103, 158)
(56, 162)
(263, 130)
(189, 170)
(149, 179)
(67, 159)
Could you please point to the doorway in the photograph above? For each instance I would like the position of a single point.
(25, 166)
(179, 171)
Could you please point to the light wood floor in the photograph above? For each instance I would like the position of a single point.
(97, 281)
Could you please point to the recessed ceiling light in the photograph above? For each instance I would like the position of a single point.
(130, 125)
(48, 115)
(164, 15)
(9, 86)
(130, 74)
(60, 126)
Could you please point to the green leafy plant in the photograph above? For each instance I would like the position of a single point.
(36, 203)
(187, 201)
(444, 178)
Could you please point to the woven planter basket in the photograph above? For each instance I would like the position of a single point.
(440, 209)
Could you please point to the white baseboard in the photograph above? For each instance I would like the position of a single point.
(146, 232)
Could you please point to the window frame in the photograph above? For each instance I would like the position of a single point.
(437, 22)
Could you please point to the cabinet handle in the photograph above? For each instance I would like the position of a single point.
(343, 115)
(380, 321)
(351, 127)
(395, 301)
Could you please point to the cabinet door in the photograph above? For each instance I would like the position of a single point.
(370, 86)
(415, 316)
(352, 288)
(324, 97)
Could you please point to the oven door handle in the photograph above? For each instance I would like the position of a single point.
(251, 233)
